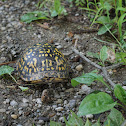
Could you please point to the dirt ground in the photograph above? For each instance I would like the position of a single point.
(19, 108)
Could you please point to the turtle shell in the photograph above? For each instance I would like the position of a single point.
(42, 62)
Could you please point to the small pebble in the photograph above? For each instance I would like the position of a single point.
(54, 106)
(23, 105)
(89, 116)
(2, 110)
(13, 103)
(59, 109)
(59, 101)
(19, 125)
(59, 47)
(79, 67)
(124, 87)
(40, 122)
(25, 100)
(61, 119)
(38, 100)
(14, 116)
(65, 102)
(72, 103)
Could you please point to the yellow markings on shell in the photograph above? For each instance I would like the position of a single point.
(38, 44)
(26, 68)
(35, 61)
(30, 71)
(35, 70)
(42, 54)
(50, 55)
(58, 75)
(28, 56)
(23, 72)
(63, 68)
(52, 68)
(19, 65)
(39, 55)
(43, 63)
(30, 50)
(48, 51)
(22, 60)
(46, 55)
(50, 62)
(32, 54)
(40, 51)
(46, 44)
(59, 68)
(42, 69)
(47, 68)
(47, 63)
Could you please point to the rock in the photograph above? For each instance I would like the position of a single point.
(59, 101)
(72, 103)
(59, 47)
(7, 101)
(38, 101)
(19, 125)
(59, 109)
(3, 28)
(20, 112)
(89, 116)
(65, 102)
(124, 87)
(54, 106)
(13, 103)
(23, 105)
(2, 110)
(84, 89)
(14, 116)
(40, 122)
(25, 100)
(79, 67)
(61, 119)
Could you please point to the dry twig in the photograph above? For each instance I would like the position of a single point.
(104, 69)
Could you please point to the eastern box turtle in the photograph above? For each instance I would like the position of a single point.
(42, 63)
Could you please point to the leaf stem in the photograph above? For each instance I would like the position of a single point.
(13, 78)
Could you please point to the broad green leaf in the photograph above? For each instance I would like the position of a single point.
(94, 55)
(6, 70)
(35, 15)
(107, 6)
(52, 123)
(87, 123)
(121, 57)
(96, 103)
(103, 54)
(54, 13)
(102, 30)
(74, 120)
(23, 88)
(102, 20)
(120, 93)
(87, 78)
(115, 118)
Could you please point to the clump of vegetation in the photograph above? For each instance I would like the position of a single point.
(55, 9)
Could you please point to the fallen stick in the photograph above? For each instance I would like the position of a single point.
(104, 69)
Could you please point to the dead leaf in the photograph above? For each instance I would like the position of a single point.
(70, 34)
(111, 56)
(44, 25)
